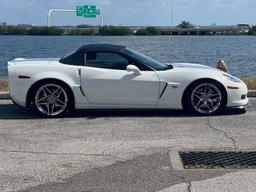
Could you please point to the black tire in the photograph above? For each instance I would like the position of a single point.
(65, 96)
(210, 105)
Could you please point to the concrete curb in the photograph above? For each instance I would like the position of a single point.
(6, 95)
(252, 93)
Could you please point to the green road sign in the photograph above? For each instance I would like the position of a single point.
(91, 8)
(79, 11)
(88, 11)
(79, 8)
(90, 16)
(98, 12)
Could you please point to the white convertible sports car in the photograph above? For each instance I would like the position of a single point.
(115, 77)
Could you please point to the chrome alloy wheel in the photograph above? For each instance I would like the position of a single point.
(51, 100)
(206, 98)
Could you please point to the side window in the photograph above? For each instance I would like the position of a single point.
(74, 58)
(106, 60)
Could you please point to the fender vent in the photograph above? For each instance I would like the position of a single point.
(218, 160)
(243, 97)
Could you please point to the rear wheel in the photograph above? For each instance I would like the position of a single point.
(206, 98)
(51, 99)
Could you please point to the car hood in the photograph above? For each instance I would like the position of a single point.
(189, 72)
(190, 65)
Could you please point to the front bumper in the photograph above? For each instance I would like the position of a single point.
(239, 107)
(238, 98)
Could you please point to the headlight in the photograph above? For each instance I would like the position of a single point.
(232, 78)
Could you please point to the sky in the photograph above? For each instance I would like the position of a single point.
(132, 12)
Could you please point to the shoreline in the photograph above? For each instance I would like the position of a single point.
(133, 35)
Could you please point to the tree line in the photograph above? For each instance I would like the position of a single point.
(103, 30)
(44, 31)
(57, 31)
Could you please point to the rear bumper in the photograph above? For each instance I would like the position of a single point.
(17, 94)
(16, 103)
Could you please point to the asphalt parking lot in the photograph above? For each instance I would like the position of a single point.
(120, 150)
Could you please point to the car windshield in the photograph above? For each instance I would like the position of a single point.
(67, 55)
(149, 61)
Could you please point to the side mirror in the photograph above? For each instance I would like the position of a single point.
(134, 69)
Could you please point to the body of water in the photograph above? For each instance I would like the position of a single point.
(239, 52)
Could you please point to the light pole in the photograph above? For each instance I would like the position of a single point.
(172, 12)
(102, 18)
(57, 10)
(66, 10)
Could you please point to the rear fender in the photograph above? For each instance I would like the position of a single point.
(72, 83)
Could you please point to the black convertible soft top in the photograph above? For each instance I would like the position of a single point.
(77, 57)
(101, 47)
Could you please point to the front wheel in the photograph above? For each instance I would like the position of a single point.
(206, 98)
(51, 99)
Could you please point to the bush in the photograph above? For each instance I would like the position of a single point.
(148, 31)
(88, 32)
(153, 31)
(142, 32)
(45, 31)
(252, 30)
(12, 30)
(116, 31)
(81, 32)
(185, 25)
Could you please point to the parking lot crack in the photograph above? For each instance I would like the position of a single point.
(189, 186)
(188, 183)
(224, 133)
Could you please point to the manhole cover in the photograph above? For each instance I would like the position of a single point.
(218, 160)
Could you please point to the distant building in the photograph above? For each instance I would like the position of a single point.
(3, 24)
(24, 25)
(243, 25)
(244, 28)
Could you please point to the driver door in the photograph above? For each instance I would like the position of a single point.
(106, 81)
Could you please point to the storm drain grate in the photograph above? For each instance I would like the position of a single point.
(218, 160)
